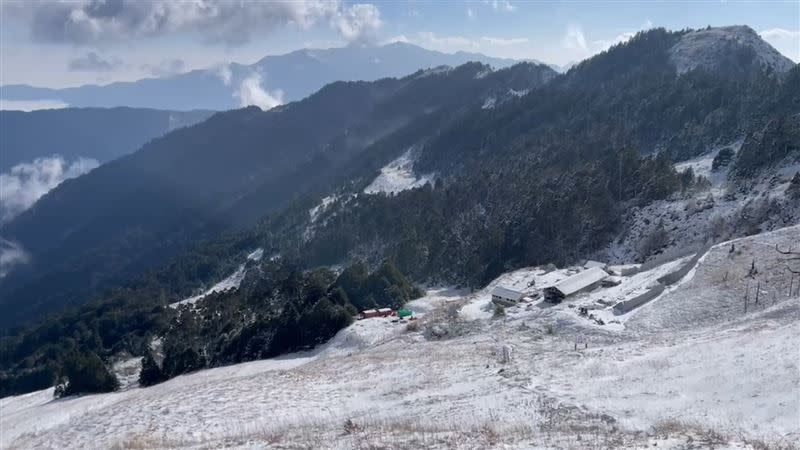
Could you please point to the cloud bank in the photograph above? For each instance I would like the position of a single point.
(785, 41)
(27, 182)
(227, 22)
(11, 254)
(92, 62)
(165, 68)
(30, 105)
(358, 23)
(250, 93)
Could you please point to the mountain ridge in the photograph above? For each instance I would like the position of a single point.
(183, 184)
(243, 165)
(296, 74)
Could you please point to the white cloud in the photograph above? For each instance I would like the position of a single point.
(92, 62)
(430, 39)
(450, 44)
(251, 93)
(218, 21)
(11, 254)
(399, 38)
(604, 44)
(358, 22)
(504, 42)
(30, 105)
(165, 68)
(224, 73)
(501, 5)
(780, 33)
(785, 41)
(470, 13)
(27, 182)
(574, 39)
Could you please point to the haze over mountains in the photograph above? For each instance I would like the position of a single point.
(99, 134)
(268, 82)
(76, 141)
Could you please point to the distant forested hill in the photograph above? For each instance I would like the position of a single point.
(291, 77)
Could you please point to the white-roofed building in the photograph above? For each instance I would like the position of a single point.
(504, 294)
(589, 264)
(582, 281)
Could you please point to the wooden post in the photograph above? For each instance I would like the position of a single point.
(758, 290)
(746, 295)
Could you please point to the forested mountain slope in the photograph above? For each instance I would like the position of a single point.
(228, 171)
(532, 177)
(546, 177)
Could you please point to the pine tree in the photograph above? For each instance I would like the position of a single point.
(793, 191)
(150, 374)
(85, 373)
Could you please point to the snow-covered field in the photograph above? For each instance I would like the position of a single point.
(690, 369)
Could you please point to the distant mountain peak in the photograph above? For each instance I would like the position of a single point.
(715, 48)
(294, 75)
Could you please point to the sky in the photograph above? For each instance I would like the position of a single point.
(69, 43)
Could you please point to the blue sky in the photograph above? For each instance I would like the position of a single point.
(58, 44)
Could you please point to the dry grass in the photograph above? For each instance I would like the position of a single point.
(550, 425)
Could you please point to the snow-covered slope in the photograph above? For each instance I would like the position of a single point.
(706, 48)
(398, 176)
(687, 370)
(232, 281)
(699, 218)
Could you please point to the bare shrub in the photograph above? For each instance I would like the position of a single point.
(653, 242)
(499, 310)
(490, 434)
(351, 427)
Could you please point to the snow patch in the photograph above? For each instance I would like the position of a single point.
(439, 70)
(232, 281)
(256, 254)
(483, 73)
(314, 212)
(398, 176)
